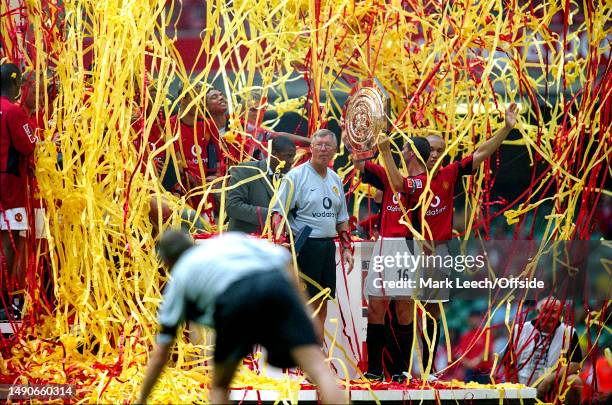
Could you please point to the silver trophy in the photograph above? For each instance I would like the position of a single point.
(365, 116)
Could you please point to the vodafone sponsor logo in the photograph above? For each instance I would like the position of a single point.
(434, 207)
(395, 207)
(196, 150)
(324, 215)
(327, 204)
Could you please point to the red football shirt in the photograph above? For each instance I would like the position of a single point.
(17, 142)
(390, 226)
(439, 214)
(216, 156)
(155, 140)
(192, 145)
(473, 344)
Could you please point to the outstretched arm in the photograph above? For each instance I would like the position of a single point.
(490, 146)
(157, 362)
(395, 177)
(295, 138)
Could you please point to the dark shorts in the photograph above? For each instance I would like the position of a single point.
(264, 309)
(317, 260)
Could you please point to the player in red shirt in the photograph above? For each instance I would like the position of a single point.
(439, 214)
(216, 123)
(472, 347)
(17, 143)
(193, 150)
(392, 239)
(149, 144)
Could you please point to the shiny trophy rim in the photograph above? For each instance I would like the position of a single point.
(365, 117)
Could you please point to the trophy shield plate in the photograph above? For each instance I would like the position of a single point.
(365, 117)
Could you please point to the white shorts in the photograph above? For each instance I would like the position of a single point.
(435, 271)
(16, 219)
(388, 275)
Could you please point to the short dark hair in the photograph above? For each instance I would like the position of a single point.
(282, 143)
(10, 76)
(209, 90)
(172, 245)
(422, 146)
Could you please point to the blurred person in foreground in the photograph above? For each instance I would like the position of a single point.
(244, 288)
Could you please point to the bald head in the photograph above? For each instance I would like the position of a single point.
(434, 138)
(551, 304)
(549, 314)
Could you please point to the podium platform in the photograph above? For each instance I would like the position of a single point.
(484, 396)
(7, 328)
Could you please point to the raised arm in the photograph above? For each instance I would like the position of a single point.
(357, 163)
(491, 145)
(293, 137)
(395, 177)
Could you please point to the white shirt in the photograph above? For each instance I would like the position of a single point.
(537, 351)
(306, 198)
(205, 271)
